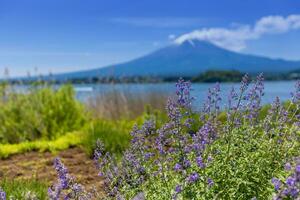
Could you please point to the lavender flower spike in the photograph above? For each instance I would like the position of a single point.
(66, 187)
(291, 187)
(193, 177)
(2, 194)
(183, 89)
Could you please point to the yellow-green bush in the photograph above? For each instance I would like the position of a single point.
(64, 142)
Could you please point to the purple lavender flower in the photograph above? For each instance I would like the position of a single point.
(296, 93)
(285, 192)
(203, 137)
(233, 96)
(294, 193)
(244, 83)
(178, 188)
(173, 111)
(66, 187)
(291, 188)
(98, 153)
(288, 166)
(297, 169)
(254, 99)
(183, 89)
(2, 194)
(62, 172)
(199, 162)
(209, 159)
(277, 183)
(210, 182)
(148, 155)
(192, 178)
(290, 181)
(186, 163)
(177, 167)
(101, 159)
(211, 107)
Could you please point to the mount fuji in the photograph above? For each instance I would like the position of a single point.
(188, 59)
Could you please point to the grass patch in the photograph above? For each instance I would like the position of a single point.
(114, 134)
(20, 189)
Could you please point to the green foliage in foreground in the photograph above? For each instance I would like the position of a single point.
(24, 189)
(242, 167)
(39, 113)
(248, 158)
(231, 156)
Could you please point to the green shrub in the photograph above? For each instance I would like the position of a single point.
(247, 159)
(39, 113)
(216, 155)
(115, 135)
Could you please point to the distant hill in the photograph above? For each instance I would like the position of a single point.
(188, 59)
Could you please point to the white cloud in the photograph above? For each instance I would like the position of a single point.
(235, 38)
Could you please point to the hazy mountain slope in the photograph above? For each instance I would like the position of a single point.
(188, 59)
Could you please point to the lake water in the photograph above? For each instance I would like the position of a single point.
(282, 89)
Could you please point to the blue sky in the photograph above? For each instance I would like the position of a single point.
(66, 35)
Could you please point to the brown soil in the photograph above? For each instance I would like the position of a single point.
(35, 165)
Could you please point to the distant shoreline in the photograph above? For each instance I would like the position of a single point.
(210, 76)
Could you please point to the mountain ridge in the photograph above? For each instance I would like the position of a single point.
(190, 58)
